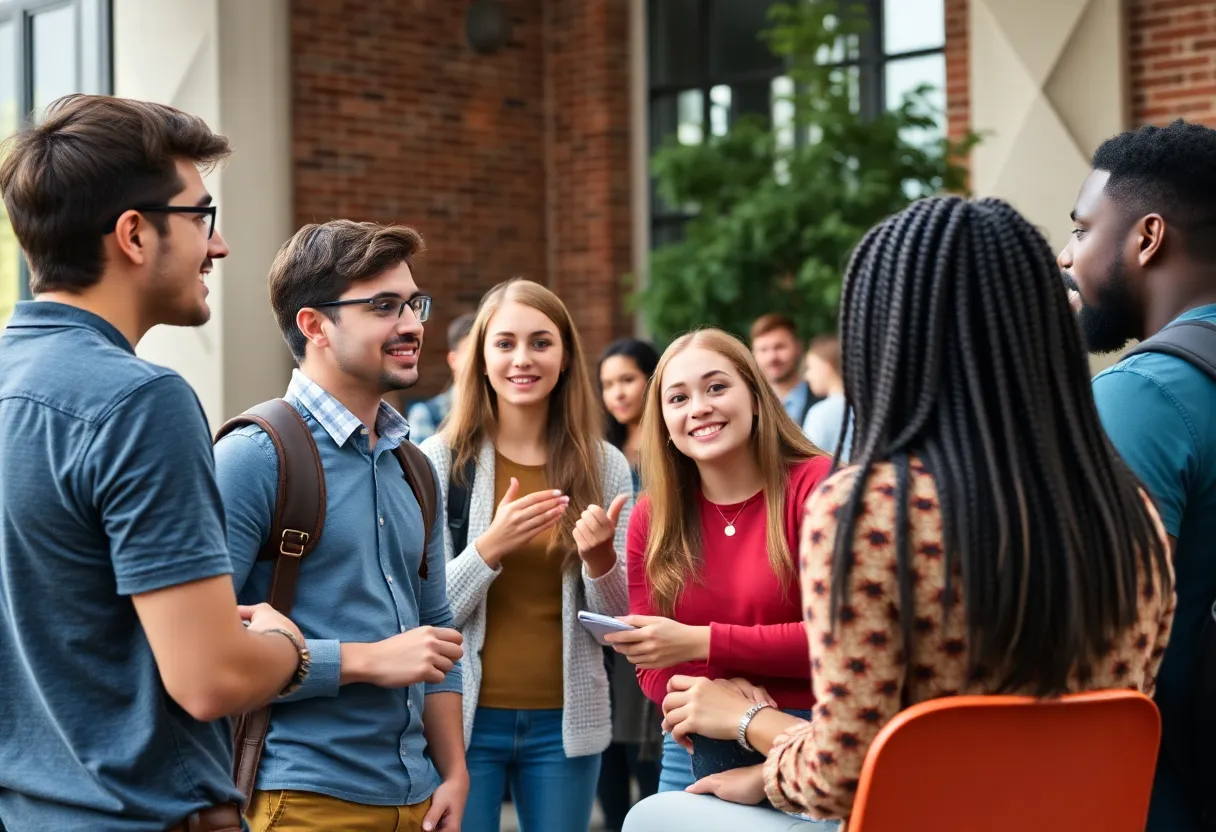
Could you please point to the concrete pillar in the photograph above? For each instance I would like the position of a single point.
(227, 61)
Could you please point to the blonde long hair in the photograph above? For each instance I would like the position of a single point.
(673, 550)
(574, 462)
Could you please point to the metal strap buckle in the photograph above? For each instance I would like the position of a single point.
(293, 547)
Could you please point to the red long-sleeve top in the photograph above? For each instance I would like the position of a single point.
(755, 618)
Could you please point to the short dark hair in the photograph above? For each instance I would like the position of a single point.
(91, 158)
(459, 329)
(1170, 171)
(772, 322)
(321, 261)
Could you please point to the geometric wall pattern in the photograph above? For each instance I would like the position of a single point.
(1047, 87)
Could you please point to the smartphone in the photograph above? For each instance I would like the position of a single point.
(600, 625)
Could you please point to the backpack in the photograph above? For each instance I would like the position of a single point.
(1195, 343)
(299, 518)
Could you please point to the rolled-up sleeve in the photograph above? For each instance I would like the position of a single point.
(247, 470)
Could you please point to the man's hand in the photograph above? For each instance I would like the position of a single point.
(423, 654)
(447, 805)
(262, 618)
(739, 785)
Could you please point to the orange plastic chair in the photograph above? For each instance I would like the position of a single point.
(1012, 764)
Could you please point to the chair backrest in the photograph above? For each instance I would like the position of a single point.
(1012, 763)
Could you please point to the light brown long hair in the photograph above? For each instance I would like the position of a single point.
(575, 460)
(673, 550)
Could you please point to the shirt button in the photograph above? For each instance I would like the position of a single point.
(363, 431)
(381, 521)
(388, 578)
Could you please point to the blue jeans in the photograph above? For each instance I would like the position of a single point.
(676, 771)
(550, 790)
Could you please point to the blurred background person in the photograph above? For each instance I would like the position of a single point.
(825, 419)
(777, 349)
(427, 416)
(625, 367)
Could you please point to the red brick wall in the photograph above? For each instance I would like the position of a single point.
(1172, 60)
(588, 71)
(515, 163)
(958, 69)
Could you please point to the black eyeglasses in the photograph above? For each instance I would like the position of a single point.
(388, 306)
(206, 213)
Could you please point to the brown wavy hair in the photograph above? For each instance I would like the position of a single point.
(673, 549)
(575, 458)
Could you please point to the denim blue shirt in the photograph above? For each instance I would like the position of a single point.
(426, 416)
(797, 401)
(357, 742)
(1160, 413)
(107, 490)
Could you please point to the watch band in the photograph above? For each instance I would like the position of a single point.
(302, 668)
(746, 721)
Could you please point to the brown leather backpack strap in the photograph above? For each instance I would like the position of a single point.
(249, 738)
(299, 517)
(421, 477)
(299, 512)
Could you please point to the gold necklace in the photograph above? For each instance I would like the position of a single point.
(730, 524)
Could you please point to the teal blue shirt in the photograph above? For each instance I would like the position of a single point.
(107, 490)
(1160, 412)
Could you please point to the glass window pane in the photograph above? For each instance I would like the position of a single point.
(844, 48)
(783, 112)
(681, 114)
(735, 46)
(753, 98)
(10, 255)
(909, 25)
(903, 77)
(56, 59)
(666, 233)
(719, 110)
(674, 44)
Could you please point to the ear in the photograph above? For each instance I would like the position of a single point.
(1151, 232)
(133, 238)
(311, 323)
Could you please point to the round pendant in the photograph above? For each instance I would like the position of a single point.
(730, 531)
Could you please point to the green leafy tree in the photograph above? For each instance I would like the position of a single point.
(774, 225)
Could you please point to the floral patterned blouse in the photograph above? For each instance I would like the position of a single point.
(859, 675)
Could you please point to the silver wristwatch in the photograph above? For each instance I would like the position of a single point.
(746, 721)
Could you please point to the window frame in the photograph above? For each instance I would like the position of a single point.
(871, 60)
(95, 68)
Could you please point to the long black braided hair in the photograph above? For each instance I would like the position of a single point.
(959, 348)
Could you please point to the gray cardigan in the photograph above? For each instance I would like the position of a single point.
(586, 717)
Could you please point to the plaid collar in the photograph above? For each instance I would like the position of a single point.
(339, 422)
